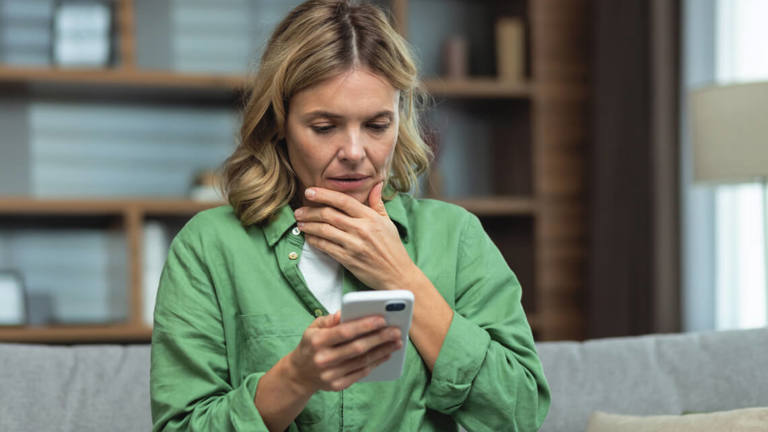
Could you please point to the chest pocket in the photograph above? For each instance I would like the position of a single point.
(266, 338)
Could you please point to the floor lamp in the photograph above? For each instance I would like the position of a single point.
(729, 126)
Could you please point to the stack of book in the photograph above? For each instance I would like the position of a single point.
(25, 32)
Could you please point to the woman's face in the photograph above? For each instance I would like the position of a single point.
(341, 133)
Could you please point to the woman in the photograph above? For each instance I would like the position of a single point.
(247, 333)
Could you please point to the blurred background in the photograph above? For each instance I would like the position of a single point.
(613, 149)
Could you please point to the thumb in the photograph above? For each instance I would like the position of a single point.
(374, 199)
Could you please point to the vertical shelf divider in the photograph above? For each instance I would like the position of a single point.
(134, 225)
(126, 34)
(400, 11)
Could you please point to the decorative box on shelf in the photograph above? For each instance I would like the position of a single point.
(82, 34)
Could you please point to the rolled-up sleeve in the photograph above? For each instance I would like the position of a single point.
(189, 379)
(488, 375)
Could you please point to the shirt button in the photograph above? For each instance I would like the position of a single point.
(318, 312)
(296, 231)
(293, 255)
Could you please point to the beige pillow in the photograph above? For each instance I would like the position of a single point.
(740, 420)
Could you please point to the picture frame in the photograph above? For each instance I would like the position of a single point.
(13, 299)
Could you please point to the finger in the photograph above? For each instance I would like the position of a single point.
(370, 358)
(362, 346)
(327, 215)
(355, 376)
(339, 200)
(335, 250)
(329, 232)
(374, 199)
(351, 330)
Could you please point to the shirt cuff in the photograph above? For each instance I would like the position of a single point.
(457, 365)
(245, 416)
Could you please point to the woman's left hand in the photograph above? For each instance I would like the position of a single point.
(361, 238)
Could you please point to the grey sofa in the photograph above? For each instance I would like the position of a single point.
(105, 388)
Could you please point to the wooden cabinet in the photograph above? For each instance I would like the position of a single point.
(525, 156)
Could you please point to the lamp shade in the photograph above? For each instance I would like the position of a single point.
(730, 132)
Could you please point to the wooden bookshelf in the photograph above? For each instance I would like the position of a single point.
(102, 333)
(482, 206)
(478, 88)
(223, 86)
(540, 222)
(175, 206)
(72, 334)
(498, 206)
(120, 77)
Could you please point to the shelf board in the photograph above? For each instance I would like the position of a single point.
(117, 333)
(478, 88)
(482, 206)
(155, 206)
(498, 206)
(80, 79)
(122, 77)
(122, 84)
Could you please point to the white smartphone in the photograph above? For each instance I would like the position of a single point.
(396, 307)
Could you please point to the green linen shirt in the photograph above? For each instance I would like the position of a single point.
(232, 301)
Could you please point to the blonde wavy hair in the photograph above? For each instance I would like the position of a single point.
(316, 41)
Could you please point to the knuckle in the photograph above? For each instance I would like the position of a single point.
(326, 377)
(359, 347)
(318, 359)
(315, 341)
(345, 333)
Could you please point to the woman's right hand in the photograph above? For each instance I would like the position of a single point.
(332, 355)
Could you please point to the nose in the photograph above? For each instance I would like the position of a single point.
(353, 148)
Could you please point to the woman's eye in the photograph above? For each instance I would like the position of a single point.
(378, 127)
(324, 129)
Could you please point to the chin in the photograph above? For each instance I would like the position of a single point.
(360, 196)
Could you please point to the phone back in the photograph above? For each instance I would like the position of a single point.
(397, 308)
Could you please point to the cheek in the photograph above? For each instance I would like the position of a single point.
(307, 156)
(386, 153)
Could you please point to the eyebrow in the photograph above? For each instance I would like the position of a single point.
(327, 114)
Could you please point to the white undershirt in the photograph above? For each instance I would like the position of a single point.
(323, 276)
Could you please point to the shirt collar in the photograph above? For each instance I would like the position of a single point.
(396, 212)
(283, 220)
(278, 224)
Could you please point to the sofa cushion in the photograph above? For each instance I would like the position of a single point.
(653, 375)
(82, 388)
(741, 420)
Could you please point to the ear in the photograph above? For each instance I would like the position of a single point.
(374, 199)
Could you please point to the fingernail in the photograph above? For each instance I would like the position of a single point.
(300, 225)
(309, 193)
(298, 213)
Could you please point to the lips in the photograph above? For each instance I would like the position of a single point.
(353, 177)
(347, 182)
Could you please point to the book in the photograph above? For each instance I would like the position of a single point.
(155, 251)
(510, 49)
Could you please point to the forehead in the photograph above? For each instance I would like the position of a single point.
(352, 93)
